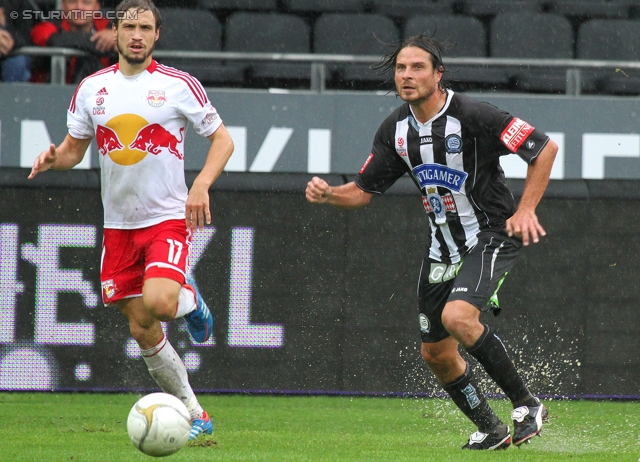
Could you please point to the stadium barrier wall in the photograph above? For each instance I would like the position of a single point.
(313, 299)
(305, 132)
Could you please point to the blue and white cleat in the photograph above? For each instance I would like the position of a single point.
(202, 426)
(199, 321)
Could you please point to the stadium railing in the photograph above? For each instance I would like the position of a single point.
(318, 62)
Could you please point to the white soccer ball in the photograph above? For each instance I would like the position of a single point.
(159, 424)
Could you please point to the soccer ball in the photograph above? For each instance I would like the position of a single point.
(159, 424)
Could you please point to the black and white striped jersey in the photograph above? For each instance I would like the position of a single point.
(454, 160)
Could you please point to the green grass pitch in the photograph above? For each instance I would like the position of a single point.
(92, 427)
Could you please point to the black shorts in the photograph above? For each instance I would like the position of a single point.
(476, 280)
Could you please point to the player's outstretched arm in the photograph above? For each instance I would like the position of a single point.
(348, 196)
(197, 207)
(66, 156)
(524, 223)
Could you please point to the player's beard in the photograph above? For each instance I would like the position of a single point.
(133, 60)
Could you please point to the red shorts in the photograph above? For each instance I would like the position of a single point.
(130, 256)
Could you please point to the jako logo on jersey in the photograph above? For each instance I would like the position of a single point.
(459, 289)
(366, 163)
(516, 132)
(128, 138)
(439, 175)
(426, 140)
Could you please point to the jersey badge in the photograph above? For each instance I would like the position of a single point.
(425, 325)
(439, 175)
(453, 144)
(447, 199)
(109, 289)
(156, 98)
(209, 118)
(98, 109)
(400, 147)
(437, 205)
(516, 132)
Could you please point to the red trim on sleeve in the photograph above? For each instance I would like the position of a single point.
(194, 85)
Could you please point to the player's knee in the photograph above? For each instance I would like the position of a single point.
(435, 356)
(458, 317)
(161, 306)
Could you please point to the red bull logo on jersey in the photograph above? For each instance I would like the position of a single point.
(107, 140)
(156, 98)
(439, 175)
(153, 137)
(108, 289)
(129, 138)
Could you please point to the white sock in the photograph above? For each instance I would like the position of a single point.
(186, 302)
(167, 369)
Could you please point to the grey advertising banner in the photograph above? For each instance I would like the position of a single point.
(310, 299)
(599, 137)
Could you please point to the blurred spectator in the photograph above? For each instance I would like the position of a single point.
(83, 26)
(14, 33)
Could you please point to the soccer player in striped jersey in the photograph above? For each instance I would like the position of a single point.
(138, 111)
(450, 145)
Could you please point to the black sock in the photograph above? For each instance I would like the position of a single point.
(492, 355)
(468, 397)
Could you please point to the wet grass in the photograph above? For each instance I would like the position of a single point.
(92, 427)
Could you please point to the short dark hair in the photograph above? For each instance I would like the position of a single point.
(139, 6)
(423, 41)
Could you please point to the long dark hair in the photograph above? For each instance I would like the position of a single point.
(435, 48)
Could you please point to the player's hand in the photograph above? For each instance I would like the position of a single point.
(6, 42)
(105, 40)
(524, 224)
(318, 191)
(197, 207)
(44, 161)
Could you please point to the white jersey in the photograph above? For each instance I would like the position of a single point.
(139, 123)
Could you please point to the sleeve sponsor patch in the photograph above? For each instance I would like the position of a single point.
(366, 163)
(516, 132)
(209, 118)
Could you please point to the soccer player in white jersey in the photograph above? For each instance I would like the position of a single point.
(450, 145)
(138, 111)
